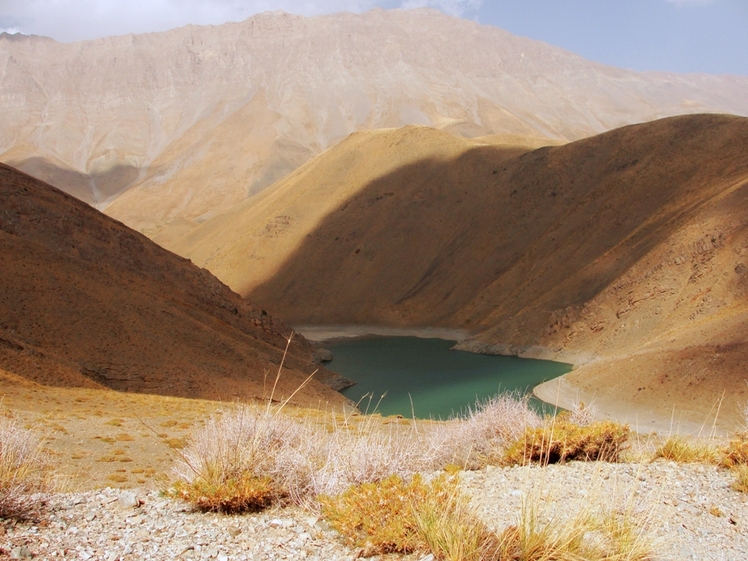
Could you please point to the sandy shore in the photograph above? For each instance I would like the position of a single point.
(319, 333)
(560, 392)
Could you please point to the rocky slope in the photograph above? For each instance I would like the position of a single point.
(682, 511)
(85, 301)
(623, 253)
(181, 125)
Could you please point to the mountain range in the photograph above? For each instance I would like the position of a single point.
(179, 126)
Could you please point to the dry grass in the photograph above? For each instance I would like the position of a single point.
(482, 436)
(687, 451)
(307, 456)
(230, 496)
(450, 527)
(735, 457)
(395, 516)
(237, 451)
(582, 530)
(741, 478)
(23, 471)
(736, 453)
(300, 458)
(559, 440)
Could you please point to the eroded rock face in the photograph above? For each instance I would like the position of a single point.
(85, 301)
(178, 126)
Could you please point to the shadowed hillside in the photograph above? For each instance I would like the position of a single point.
(85, 301)
(625, 246)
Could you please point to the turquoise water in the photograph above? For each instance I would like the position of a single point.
(425, 372)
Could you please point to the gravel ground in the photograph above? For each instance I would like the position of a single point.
(690, 510)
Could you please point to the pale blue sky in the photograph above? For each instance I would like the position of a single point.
(676, 35)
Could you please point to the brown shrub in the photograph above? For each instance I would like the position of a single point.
(560, 440)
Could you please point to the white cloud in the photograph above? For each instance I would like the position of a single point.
(451, 7)
(71, 20)
(11, 30)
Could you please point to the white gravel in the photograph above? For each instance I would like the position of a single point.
(690, 510)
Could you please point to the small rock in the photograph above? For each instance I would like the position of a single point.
(429, 557)
(128, 500)
(234, 531)
(21, 552)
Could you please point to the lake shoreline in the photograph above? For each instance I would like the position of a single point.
(330, 333)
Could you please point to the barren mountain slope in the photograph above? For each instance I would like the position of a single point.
(189, 122)
(628, 244)
(85, 301)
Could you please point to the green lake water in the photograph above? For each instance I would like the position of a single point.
(439, 382)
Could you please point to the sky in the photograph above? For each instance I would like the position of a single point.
(674, 35)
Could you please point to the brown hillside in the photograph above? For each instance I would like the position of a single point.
(85, 301)
(628, 245)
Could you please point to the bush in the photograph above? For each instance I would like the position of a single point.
(393, 516)
(270, 455)
(23, 473)
(560, 440)
(230, 496)
(231, 464)
(481, 437)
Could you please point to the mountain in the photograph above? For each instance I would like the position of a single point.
(623, 253)
(177, 127)
(85, 301)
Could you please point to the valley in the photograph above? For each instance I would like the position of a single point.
(620, 252)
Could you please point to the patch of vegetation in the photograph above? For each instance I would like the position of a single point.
(682, 450)
(23, 471)
(741, 478)
(395, 516)
(228, 496)
(586, 536)
(736, 453)
(560, 440)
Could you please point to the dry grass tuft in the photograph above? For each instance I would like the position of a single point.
(379, 517)
(686, 451)
(585, 535)
(249, 494)
(450, 527)
(736, 453)
(741, 478)
(23, 471)
(394, 516)
(559, 440)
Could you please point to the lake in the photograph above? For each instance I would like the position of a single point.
(437, 380)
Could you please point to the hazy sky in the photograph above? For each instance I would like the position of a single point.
(677, 35)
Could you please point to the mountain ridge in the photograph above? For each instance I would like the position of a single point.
(259, 98)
